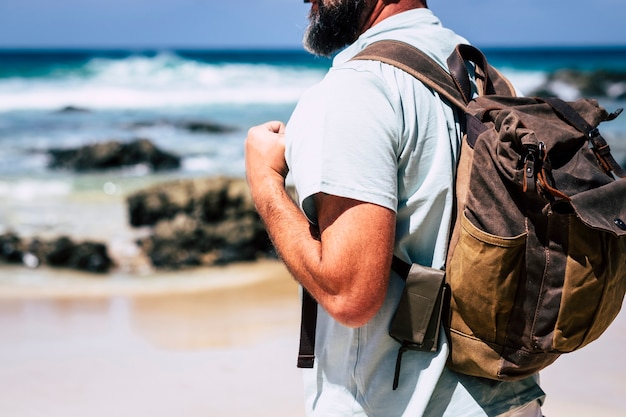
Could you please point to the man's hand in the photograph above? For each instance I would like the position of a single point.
(265, 154)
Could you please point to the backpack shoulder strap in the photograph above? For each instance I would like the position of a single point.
(308, 321)
(416, 63)
(454, 86)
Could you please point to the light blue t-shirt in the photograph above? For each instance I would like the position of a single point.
(373, 133)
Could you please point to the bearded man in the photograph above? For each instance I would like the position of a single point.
(372, 153)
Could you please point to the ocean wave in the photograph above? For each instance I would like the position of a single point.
(163, 80)
(170, 79)
(525, 81)
(31, 190)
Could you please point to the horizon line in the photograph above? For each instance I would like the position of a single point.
(287, 48)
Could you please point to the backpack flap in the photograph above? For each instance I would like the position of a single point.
(603, 208)
(578, 165)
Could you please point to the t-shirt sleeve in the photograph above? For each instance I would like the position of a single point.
(342, 139)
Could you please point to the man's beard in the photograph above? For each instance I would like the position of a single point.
(333, 27)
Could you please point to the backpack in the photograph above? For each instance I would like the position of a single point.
(536, 264)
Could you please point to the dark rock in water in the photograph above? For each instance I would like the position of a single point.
(113, 154)
(11, 248)
(164, 201)
(198, 126)
(596, 84)
(62, 252)
(206, 127)
(73, 109)
(207, 200)
(84, 256)
(199, 222)
(543, 91)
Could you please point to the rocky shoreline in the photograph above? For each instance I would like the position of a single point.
(183, 223)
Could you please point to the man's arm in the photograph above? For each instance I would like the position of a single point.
(346, 266)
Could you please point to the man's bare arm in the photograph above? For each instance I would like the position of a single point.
(346, 267)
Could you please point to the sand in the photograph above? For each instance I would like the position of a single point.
(218, 342)
(208, 342)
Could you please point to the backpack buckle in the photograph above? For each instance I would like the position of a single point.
(530, 160)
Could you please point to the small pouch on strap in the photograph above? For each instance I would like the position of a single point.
(417, 320)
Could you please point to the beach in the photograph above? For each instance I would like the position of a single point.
(212, 342)
(205, 342)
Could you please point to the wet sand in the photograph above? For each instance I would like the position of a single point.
(211, 342)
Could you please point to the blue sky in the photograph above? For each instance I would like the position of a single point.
(279, 23)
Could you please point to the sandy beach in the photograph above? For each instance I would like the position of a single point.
(207, 342)
(172, 346)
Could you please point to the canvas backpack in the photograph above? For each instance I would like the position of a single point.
(536, 264)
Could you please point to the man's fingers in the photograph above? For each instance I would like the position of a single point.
(275, 126)
(265, 149)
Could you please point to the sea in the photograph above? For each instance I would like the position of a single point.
(128, 94)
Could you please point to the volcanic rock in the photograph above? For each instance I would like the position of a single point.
(199, 222)
(113, 154)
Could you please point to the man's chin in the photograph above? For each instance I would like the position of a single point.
(326, 53)
(321, 47)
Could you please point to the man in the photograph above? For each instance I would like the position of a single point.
(372, 153)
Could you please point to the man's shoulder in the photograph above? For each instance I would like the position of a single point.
(372, 74)
(356, 77)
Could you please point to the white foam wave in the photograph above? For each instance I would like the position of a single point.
(168, 80)
(31, 190)
(160, 81)
(525, 81)
(199, 163)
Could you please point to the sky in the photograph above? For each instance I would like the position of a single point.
(280, 23)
